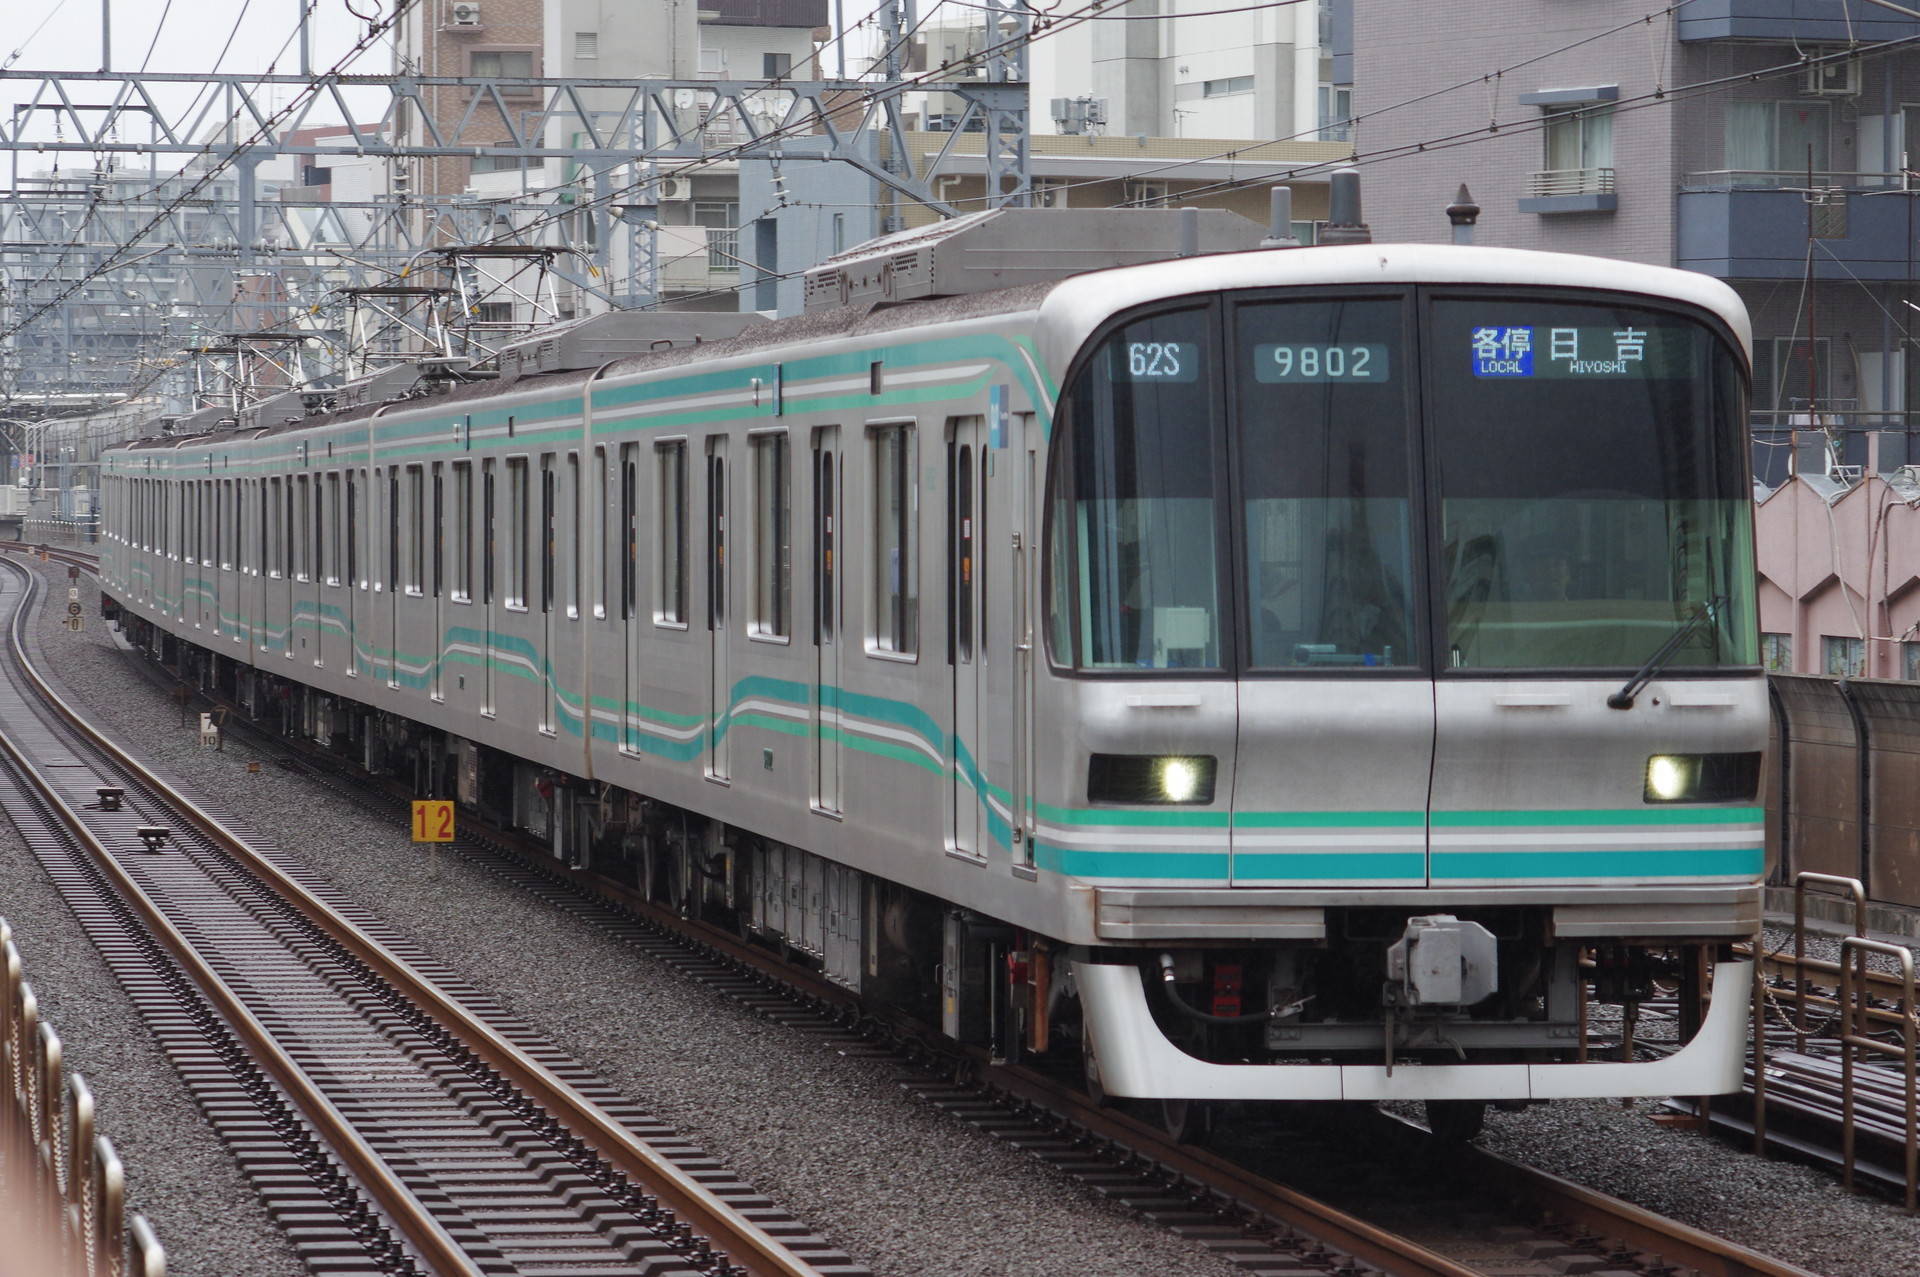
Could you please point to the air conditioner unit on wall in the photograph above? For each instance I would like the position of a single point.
(464, 14)
(1835, 79)
(674, 188)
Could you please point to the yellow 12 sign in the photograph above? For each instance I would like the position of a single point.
(432, 820)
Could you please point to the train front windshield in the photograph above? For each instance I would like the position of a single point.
(1397, 481)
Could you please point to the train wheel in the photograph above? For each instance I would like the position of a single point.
(1456, 1121)
(1186, 1121)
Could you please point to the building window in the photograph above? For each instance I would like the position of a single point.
(500, 64)
(1790, 373)
(774, 66)
(1910, 661)
(713, 62)
(1844, 657)
(1227, 87)
(1775, 143)
(896, 565)
(1776, 652)
(772, 538)
(1336, 113)
(503, 163)
(722, 221)
(1580, 142)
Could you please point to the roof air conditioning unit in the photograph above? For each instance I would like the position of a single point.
(1839, 78)
(465, 14)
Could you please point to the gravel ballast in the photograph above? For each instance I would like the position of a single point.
(832, 1138)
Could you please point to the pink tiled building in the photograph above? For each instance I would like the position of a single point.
(1839, 561)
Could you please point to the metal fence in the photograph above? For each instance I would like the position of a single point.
(1843, 793)
(62, 1192)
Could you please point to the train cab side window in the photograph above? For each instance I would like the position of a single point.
(772, 538)
(519, 520)
(670, 569)
(896, 543)
(462, 532)
(1141, 453)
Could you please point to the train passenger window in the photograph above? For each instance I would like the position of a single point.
(575, 500)
(1323, 412)
(335, 511)
(393, 528)
(896, 543)
(1140, 454)
(353, 530)
(462, 532)
(303, 523)
(670, 568)
(772, 537)
(271, 526)
(439, 528)
(519, 520)
(490, 551)
(416, 529)
(600, 480)
(824, 535)
(547, 517)
(318, 541)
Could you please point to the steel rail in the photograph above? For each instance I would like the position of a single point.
(745, 1243)
(431, 1242)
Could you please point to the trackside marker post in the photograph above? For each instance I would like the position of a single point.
(433, 825)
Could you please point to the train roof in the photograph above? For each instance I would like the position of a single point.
(1069, 310)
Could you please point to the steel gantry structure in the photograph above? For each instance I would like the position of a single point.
(159, 242)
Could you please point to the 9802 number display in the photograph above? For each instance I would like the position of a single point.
(1319, 361)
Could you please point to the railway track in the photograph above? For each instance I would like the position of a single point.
(1260, 1221)
(392, 1118)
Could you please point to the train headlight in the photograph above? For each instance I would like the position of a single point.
(1702, 778)
(1183, 779)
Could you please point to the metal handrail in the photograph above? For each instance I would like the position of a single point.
(1571, 181)
(1855, 1038)
(65, 1189)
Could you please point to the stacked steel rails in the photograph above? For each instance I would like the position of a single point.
(1840, 1083)
(385, 1112)
(1540, 1224)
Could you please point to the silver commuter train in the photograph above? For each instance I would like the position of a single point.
(1269, 674)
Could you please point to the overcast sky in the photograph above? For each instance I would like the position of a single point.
(191, 39)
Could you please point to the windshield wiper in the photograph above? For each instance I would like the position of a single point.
(1623, 699)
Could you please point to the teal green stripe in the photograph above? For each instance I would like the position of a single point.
(1606, 816)
(1130, 864)
(1276, 866)
(1687, 862)
(1329, 819)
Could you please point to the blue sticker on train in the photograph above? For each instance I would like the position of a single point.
(1502, 352)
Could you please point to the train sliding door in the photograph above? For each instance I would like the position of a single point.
(826, 621)
(966, 783)
(718, 577)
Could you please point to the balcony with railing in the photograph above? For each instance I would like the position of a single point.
(1757, 223)
(1570, 190)
(1828, 21)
